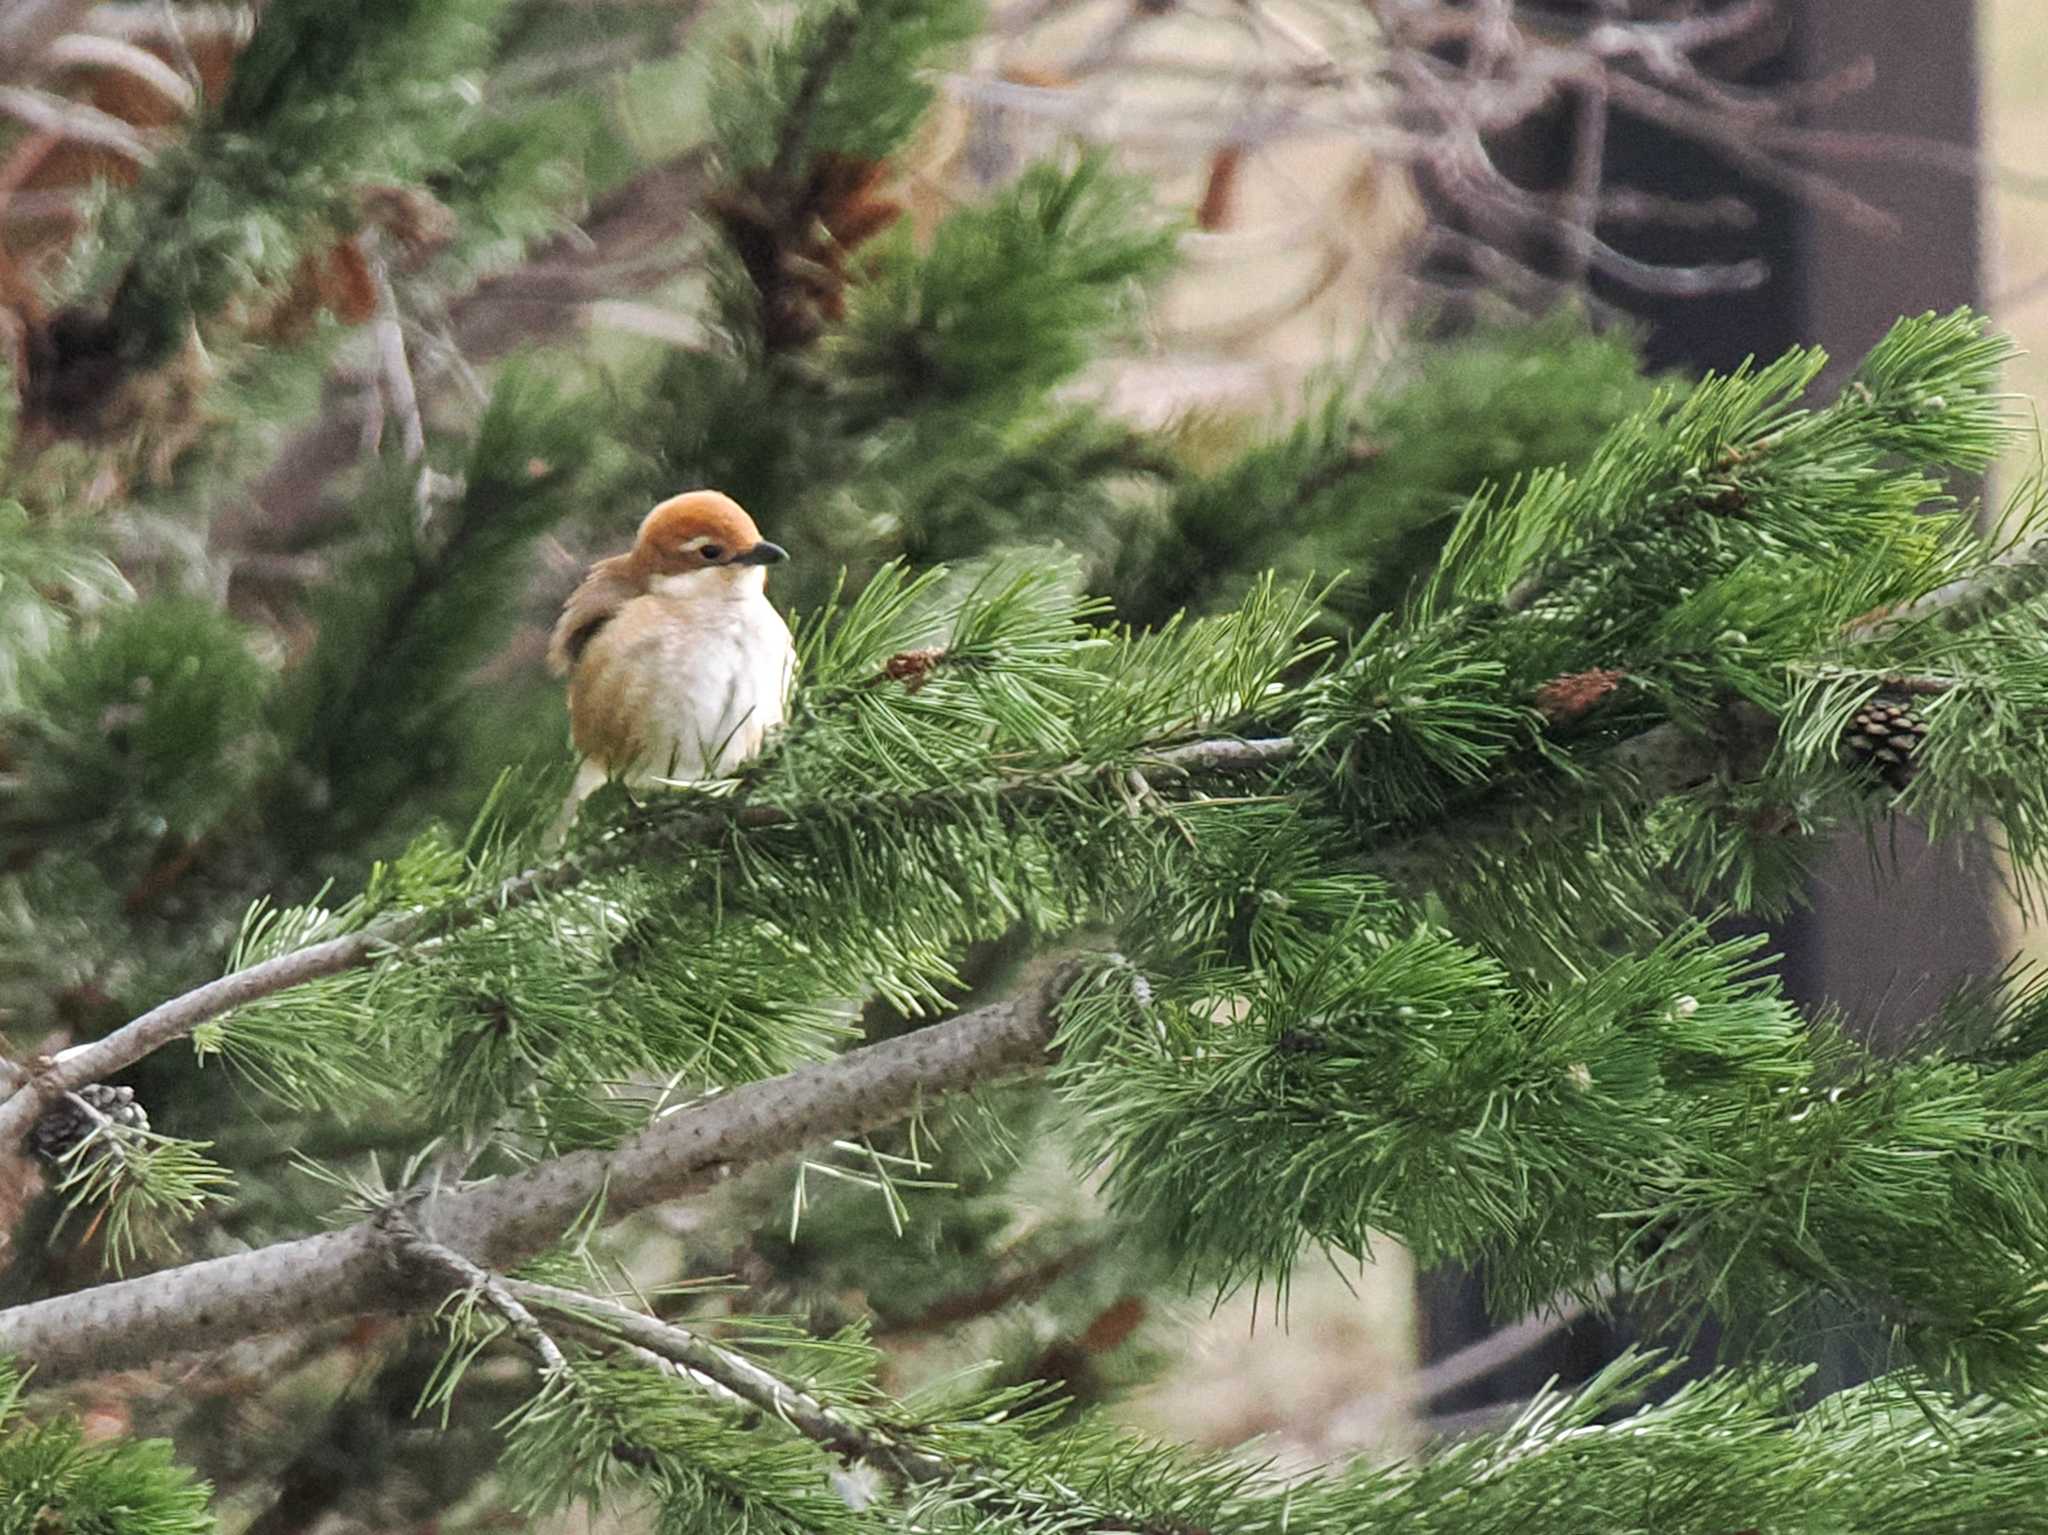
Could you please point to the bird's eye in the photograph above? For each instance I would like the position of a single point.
(710, 551)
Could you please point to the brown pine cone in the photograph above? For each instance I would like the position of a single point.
(1886, 735)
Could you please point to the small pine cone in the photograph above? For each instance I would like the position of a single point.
(1566, 700)
(64, 1125)
(1886, 735)
(913, 667)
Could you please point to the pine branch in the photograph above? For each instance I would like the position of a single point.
(54, 1478)
(2018, 575)
(1658, 761)
(558, 1375)
(176, 1018)
(736, 1375)
(835, 40)
(1663, 760)
(357, 1270)
(898, 1452)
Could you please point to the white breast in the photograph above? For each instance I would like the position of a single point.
(724, 673)
(685, 682)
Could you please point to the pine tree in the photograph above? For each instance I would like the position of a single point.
(1119, 863)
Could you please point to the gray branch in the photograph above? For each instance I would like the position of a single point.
(177, 1018)
(42, 112)
(362, 1269)
(733, 1375)
(496, 1292)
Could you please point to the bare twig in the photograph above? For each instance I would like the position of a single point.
(1450, 81)
(147, 18)
(417, 1246)
(1581, 201)
(74, 120)
(1628, 205)
(28, 29)
(81, 49)
(1503, 1346)
(174, 30)
(1742, 146)
(394, 370)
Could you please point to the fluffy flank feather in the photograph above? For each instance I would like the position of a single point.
(611, 584)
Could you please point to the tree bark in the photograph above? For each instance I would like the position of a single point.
(135, 1322)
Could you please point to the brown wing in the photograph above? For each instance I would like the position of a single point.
(617, 691)
(610, 585)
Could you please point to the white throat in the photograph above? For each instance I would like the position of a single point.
(730, 583)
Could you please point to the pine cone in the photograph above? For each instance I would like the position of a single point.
(1886, 735)
(1566, 700)
(64, 1125)
(912, 667)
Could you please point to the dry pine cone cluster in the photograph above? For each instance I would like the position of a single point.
(64, 1125)
(1886, 736)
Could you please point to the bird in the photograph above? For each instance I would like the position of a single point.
(679, 667)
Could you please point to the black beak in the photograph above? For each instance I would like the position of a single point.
(763, 553)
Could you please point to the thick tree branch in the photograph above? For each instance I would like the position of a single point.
(362, 1269)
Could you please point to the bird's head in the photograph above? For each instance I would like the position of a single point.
(702, 540)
